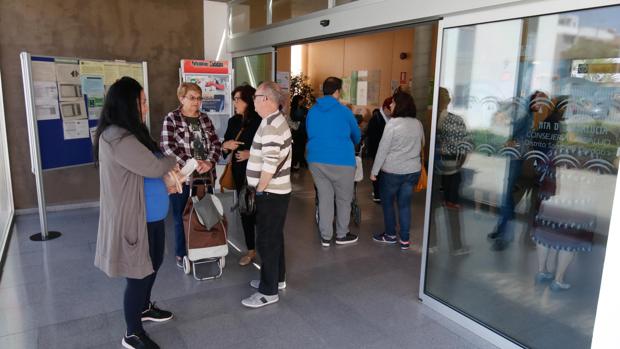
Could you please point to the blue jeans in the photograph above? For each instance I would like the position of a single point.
(400, 188)
(178, 202)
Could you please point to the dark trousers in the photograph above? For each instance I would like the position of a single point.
(247, 221)
(138, 291)
(270, 217)
(178, 202)
(451, 185)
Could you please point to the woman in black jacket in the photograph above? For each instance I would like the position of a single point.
(374, 133)
(237, 142)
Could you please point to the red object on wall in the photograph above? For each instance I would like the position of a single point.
(201, 66)
(403, 77)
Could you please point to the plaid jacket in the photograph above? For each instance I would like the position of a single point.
(176, 138)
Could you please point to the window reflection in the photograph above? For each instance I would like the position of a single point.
(252, 70)
(524, 173)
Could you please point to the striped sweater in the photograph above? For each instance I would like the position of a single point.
(271, 145)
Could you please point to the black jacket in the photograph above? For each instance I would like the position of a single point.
(374, 132)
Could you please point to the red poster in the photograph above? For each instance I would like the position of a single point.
(199, 66)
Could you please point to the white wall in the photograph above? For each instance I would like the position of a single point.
(7, 208)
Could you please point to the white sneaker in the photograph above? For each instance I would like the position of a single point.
(256, 284)
(258, 300)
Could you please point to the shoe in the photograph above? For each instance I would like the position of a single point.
(499, 245)
(153, 313)
(258, 300)
(543, 276)
(559, 286)
(248, 258)
(404, 245)
(493, 235)
(256, 283)
(180, 263)
(138, 341)
(347, 239)
(325, 242)
(384, 238)
(460, 251)
(376, 198)
(452, 205)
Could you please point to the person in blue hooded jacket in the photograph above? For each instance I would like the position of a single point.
(333, 134)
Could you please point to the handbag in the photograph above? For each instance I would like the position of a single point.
(247, 193)
(423, 177)
(227, 180)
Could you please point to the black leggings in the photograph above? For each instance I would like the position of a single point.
(138, 291)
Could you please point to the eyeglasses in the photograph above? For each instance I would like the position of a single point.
(254, 97)
(193, 99)
(236, 98)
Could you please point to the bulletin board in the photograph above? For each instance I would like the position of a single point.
(67, 97)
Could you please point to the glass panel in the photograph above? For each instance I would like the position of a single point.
(252, 70)
(525, 167)
(284, 9)
(247, 15)
(5, 200)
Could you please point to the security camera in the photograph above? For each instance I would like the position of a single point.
(324, 22)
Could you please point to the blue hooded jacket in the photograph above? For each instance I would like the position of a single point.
(332, 133)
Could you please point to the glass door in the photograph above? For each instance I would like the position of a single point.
(526, 139)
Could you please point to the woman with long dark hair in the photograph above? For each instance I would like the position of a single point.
(133, 205)
(399, 162)
(237, 142)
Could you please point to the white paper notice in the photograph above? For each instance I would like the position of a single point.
(75, 129)
(43, 71)
(68, 77)
(362, 92)
(73, 109)
(93, 131)
(46, 100)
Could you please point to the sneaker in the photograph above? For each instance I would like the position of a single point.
(258, 300)
(347, 239)
(460, 251)
(404, 245)
(138, 341)
(256, 284)
(325, 242)
(153, 313)
(543, 276)
(384, 238)
(180, 263)
(559, 286)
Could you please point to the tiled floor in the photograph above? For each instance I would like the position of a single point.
(359, 296)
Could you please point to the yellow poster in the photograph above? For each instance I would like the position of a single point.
(91, 68)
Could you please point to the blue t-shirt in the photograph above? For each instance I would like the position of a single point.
(156, 199)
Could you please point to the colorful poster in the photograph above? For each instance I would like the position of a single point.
(93, 89)
(283, 79)
(215, 92)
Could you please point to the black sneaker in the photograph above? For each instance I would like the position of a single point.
(139, 341)
(325, 242)
(155, 314)
(347, 239)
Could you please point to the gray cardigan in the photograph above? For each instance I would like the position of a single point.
(400, 147)
(122, 240)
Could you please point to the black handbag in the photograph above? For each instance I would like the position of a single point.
(247, 194)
